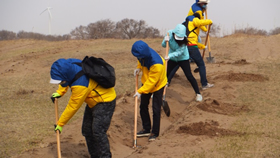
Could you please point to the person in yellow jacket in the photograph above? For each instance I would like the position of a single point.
(199, 7)
(193, 23)
(153, 81)
(100, 106)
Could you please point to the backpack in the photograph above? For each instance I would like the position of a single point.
(186, 23)
(98, 70)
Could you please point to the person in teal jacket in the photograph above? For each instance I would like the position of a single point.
(178, 55)
(100, 106)
(153, 81)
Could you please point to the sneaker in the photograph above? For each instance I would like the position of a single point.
(152, 137)
(207, 86)
(143, 133)
(198, 97)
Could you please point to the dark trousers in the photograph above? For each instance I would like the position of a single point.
(197, 58)
(95, 125)
(156, 106)
(185, 65)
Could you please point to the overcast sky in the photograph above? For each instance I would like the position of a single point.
(17, 15)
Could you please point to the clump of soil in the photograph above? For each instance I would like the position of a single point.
(241, 62)
(242, 77)
(209, 128)
(214, 106)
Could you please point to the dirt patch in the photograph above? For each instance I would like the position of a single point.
(242, 77)
(213, 106)
(209, 128)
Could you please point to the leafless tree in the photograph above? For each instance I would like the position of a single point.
(7, 35)
(130, 28)
(275, 31)
(101, 29)
(79, 33)
(150, 32)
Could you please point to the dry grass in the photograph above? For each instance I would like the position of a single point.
(27, 113)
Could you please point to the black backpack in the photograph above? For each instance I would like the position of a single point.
(186, 23)
(98, 70)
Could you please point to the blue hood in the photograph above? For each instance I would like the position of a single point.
(141, 49)
(64, 70)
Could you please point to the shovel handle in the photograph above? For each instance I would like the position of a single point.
(166, 61)
(209, 48)
(135, 113)
(57, 131)
(207, 36)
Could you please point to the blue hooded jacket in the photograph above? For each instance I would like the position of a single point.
(152, 66)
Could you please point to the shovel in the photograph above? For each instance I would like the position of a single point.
(57, 131)
(165, 105)
(135, 113)
(209, 59)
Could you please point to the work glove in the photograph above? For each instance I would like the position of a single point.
(55, 95)
(57, 127)
(166, 58)
(137, 95)
(166, 38)
(136, 72)
(205, 48)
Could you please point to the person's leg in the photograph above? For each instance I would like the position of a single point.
(170, 67)
(97, 141)
(144, 111)
(185, 65)
(196, 56)
(157, 102)
(172, 73)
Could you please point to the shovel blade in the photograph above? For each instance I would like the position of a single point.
(210, 59)
(166, 108)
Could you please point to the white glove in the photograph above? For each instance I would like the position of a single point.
(166, 58)
(166, 38)
(136, 72)
(137, 95)
(205, 48)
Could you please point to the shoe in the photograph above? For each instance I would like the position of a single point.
(143, 133)
(207, 86)
(198, 97)
(152, 137)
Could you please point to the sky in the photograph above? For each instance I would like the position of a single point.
(18, 15)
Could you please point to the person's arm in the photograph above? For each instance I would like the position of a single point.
(198, 23)
(154, 77)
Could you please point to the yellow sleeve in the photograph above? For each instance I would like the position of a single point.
(79, 94)
(200, 46)
(154, 77)
(139, 66)
(198, 23)
(62, 90)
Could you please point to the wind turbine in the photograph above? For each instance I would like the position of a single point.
(50, 17)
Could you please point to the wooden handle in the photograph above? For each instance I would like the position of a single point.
(209, 48)
(166, 61)
(135, 112)
(57, 132)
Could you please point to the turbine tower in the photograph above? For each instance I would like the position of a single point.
(50, 17)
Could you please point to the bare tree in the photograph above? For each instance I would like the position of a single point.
(275, 31)
(130, 28)
(101, 29)
(150, 32)
(7, 35)
(79, 33)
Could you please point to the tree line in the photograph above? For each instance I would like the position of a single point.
(124, 29)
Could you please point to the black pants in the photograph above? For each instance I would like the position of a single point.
(156, 106)
(185, 65)
(95, 125)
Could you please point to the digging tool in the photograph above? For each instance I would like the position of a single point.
(57, 131)
(135, 113)
(165, 105)
(209, 59)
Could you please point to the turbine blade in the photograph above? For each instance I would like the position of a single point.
(43, 11)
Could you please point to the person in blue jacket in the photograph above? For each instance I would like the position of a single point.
(100, 106)
(153, 82)
(178, 55)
